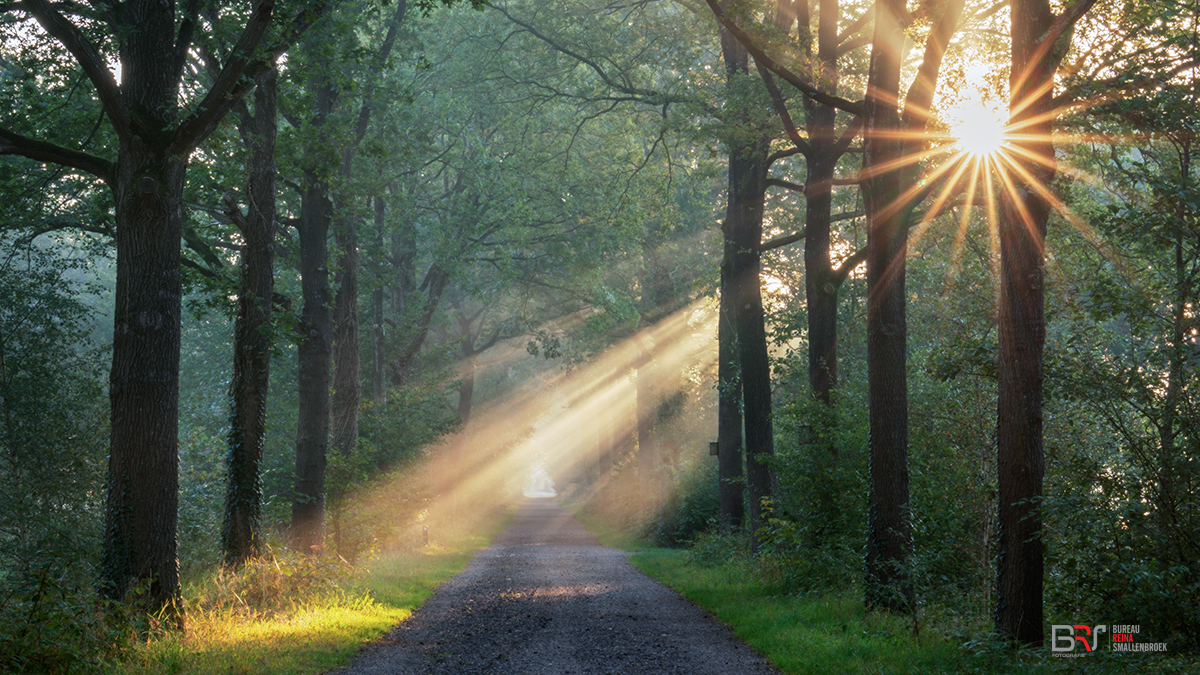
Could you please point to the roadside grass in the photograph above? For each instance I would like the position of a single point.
(830, 633)
(806, 635)
(316, 634)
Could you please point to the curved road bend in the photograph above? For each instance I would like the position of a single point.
(547, 599)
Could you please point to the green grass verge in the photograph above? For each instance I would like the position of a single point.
(315, 636)
(832, 634)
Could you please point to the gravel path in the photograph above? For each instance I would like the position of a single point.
(547, 599)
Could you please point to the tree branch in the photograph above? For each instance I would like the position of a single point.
(778, 242)
(231, 85)
(781, 109)
(920, 93)
(649, 96)
(761, 58)
(1065, 21)
(858, 23)
(67, 33)
(12, 143)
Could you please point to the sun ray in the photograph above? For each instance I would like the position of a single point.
(960, 235)
(902, 162)
(935, 210)
(993, 217)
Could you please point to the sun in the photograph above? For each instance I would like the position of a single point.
(978, 129)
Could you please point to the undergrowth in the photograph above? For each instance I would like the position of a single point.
(295, 613)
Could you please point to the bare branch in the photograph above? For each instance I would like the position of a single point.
(858, 23)
(920, 93)
(779, 242)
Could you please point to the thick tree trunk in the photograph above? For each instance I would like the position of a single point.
(143, 475)
(731, 485)
(821, 285)
(889, 534)
(1022, 333)
(347, 389)
(252, 332)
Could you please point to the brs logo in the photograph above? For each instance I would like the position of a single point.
(1063, 637)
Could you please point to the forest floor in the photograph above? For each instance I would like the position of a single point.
(547, 598)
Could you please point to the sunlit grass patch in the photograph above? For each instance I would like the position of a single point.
(318, 633)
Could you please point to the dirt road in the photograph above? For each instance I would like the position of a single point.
(547, 599)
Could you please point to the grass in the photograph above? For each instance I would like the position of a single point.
(317, 634)
(832, 634)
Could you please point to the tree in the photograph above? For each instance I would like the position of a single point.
(252, 340)
(154, 138)
(894, 135)
(1039, 40)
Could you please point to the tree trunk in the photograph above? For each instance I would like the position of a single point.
(252, 332)
(821, 285)
(143, 469)
(1022, 333)
(743, 228)
(730, 476)
(889, 535)
(316, 337)
(747, 188)
(466, 391)
(347, 390)
(379, 342)
(647, 409)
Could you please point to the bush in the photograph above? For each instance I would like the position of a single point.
(691, 506)
(49, 623)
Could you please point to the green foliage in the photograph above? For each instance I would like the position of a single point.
(51, 623)
(813, 538)
(53, 425)
(691, 506)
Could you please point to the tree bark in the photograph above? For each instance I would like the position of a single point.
(889, 535)
(743, 226)
(143, 469)
(347, 389)
(252, 331)
(379, 342)
(316, 337)
(1022, 333)
(730, 475)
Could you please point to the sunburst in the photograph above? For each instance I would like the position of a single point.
(979, 129)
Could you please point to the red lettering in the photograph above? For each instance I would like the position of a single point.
(1122, 637)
